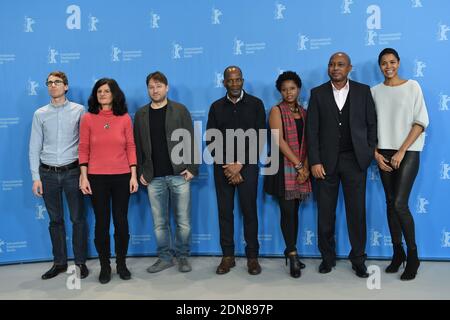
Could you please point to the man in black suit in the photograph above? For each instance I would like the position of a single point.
(341, 132)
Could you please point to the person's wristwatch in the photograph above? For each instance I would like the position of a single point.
(298, 166)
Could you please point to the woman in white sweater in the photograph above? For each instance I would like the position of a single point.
(402, 120)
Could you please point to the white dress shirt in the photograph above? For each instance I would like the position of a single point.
(341, 95)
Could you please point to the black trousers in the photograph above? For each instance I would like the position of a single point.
(247, 192)
(111, 192)
(289, 222)
(397, 188)
(353, 180)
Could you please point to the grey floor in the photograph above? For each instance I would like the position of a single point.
(23, 281)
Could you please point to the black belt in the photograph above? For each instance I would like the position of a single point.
(61, 168)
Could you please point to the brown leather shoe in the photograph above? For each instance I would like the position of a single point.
(253, 266)
(225, 265)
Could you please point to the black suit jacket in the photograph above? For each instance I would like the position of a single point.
(322, 125)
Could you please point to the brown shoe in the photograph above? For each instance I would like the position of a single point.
(253, 266)
(225, 265)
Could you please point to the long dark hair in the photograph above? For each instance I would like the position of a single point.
(119, 104)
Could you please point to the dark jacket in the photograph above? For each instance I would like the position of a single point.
(322, 125)
(177, 116)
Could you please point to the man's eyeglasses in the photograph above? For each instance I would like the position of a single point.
(56, 83)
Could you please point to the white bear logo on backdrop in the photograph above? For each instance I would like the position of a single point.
(421, 203)
(419, 66)
(115, 53)
(279, 8)
(445, 240)
(2, 243)
(52, 53)
(28, 24)
(216, 13)
(92, 25)
(443, 101)
(32, 86)
(154, 18)
(237, 48)
(176, 49)
(346, 6)
(218, 80)
(308, 237)
(416, 4)
(302, 40)
(40, 209)
(445, 169)
(442, 33)
(375, 238)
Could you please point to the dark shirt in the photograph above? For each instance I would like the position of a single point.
(248, 113)
(160, 152)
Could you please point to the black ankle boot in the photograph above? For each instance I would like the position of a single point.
(412, 264)
(105, 274)
(294, 265)
(123, 271)
(398, 258)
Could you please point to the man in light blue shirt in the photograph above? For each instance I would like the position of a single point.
(54, 169)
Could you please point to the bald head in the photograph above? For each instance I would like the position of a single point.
(231, 69)
(339, 67)
(341, 54)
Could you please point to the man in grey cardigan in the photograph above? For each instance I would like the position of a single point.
(166, 167)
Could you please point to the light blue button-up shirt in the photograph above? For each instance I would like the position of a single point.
(54, 135)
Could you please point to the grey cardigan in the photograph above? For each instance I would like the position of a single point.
(177, 116)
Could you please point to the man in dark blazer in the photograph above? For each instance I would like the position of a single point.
(164, 172)
(341, 132)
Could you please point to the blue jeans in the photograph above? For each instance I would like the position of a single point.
(53, 185)
(160, 190)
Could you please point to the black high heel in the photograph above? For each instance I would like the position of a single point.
(302, 265)
(294, 265)
(398, 258)
(412, 265)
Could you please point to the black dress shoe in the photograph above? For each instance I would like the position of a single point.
(54, 271)
(325, 267)
(361, 270)
(84, 271)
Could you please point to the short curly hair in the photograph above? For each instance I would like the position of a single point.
(288, 75)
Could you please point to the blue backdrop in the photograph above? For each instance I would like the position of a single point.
(192, 42)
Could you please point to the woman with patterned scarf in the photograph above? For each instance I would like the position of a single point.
(291, 184)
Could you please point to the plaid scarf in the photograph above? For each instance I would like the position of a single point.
(294, 190)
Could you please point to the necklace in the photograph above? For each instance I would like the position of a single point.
(106, 126)
(294, 109)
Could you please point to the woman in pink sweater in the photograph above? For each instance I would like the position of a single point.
(107, 157)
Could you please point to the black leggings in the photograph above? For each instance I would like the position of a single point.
(289, 222)
(110, 192)
(397, 187)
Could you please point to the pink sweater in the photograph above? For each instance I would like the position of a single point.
(106, 143)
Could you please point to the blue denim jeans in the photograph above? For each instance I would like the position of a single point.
(53, 185)
(177, 190)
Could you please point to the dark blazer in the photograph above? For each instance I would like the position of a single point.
(322, 125)
(177, 116)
